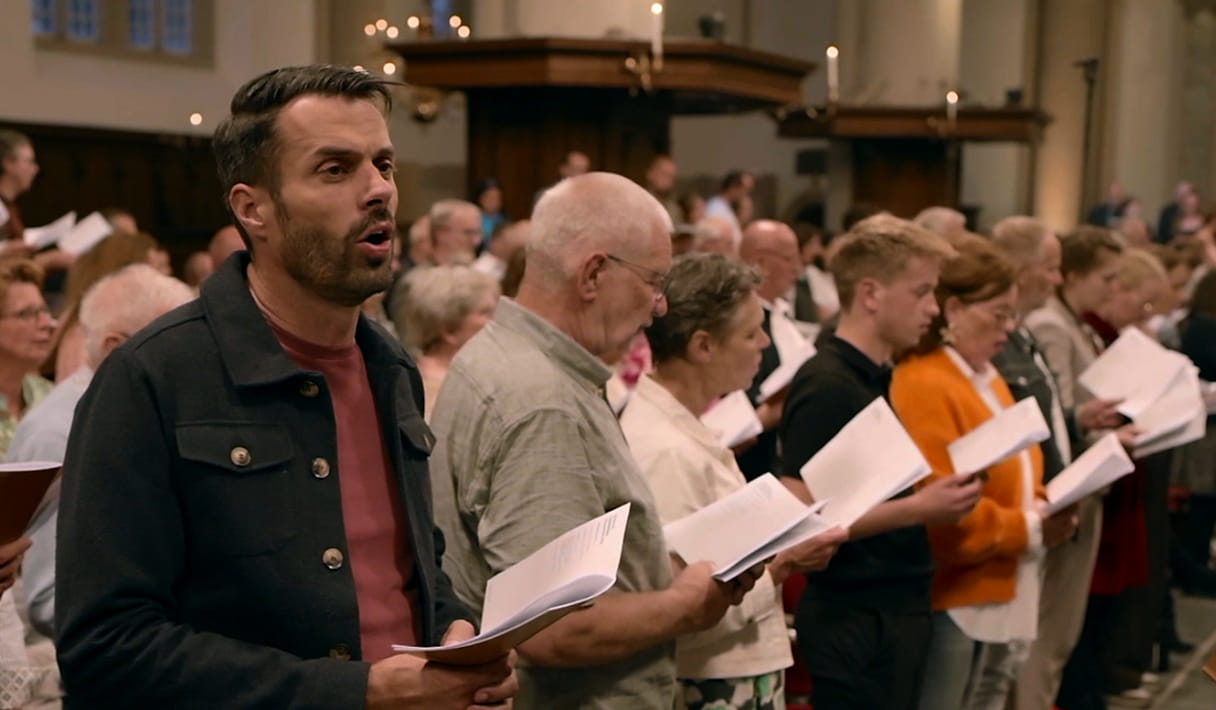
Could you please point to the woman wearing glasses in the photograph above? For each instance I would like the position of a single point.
(985, 591)
(26, 327)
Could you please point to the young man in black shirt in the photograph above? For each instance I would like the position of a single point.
(863, 623)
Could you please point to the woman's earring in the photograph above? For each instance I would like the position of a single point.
(947, 334)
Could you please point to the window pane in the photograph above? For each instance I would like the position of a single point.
(141, 23)
(178, 29)
(43, 13)
(84, 20)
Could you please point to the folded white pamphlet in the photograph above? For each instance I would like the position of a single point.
(868, 461)
(1177, 407)
(520, 601)
(733, 419)
(1002, 436)
(1135, 369)
(1100, 465)
(48, 235)
(745, 528)
(781, 378)
(86, 234)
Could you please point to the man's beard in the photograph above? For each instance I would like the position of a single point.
(336, 269)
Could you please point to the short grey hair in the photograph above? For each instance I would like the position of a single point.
(1021, 238)
(124, 302)
(939, 219)
(442, 212)
(586, 213)
(435, 299)
(712, 228)
(704, 292)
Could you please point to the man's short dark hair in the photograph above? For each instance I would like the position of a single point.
(734, 179)
(9, 142)
(245, 143)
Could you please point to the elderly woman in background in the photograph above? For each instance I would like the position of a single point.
(985, 591)
(1101, 665)
(707, 345)
(26, 328)
(438, 310)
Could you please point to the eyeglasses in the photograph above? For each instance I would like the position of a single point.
(29, 314)
(657, 281)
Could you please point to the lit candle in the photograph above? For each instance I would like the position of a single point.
(656, 35)
(833, 55)
(951, 107)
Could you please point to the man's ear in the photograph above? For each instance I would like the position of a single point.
(252, 207)
(589, 274)
(867, 294)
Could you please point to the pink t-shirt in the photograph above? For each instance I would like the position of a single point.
(378, 550)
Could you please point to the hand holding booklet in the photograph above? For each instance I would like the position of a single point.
(853, 475)
(565, 574)
(733, 419)
(1100, 465)
(745, 528)
(1002, 436)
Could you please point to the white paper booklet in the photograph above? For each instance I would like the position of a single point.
(868, 461)
(1173, 410)
(733, 419)
(1100, 465)
(1179, 417)
(565, 574)
(781, 378)
(86, 234)
(745, 528)
(42, 237)
(1135, 369)
(1002, 436)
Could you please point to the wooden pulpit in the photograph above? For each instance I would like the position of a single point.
(532, 100)
(906, 159)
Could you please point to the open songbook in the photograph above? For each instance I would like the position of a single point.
(1002, 436)
(733, 419)
(1100, 465)
(868, 461)
(23, 485)
(71, 236)
(565, 574)
(1135, 369)
(745, 528)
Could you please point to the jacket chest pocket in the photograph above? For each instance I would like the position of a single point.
(237, 488)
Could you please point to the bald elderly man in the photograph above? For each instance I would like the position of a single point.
(772, 247)
(527, 448)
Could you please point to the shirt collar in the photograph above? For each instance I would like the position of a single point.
(872, 372)
(248, 347)
(576, 360)
(979, 378)
(657, 396)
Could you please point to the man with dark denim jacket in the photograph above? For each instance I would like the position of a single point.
(246, 516)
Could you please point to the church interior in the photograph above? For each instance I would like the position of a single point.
(808, 113)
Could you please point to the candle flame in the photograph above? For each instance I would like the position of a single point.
(656, 8)
(833, 52)
(951, 97)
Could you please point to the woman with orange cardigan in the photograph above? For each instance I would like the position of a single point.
(985, 591)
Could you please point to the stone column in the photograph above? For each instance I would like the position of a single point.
(1196, 144)
(1067, 32)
